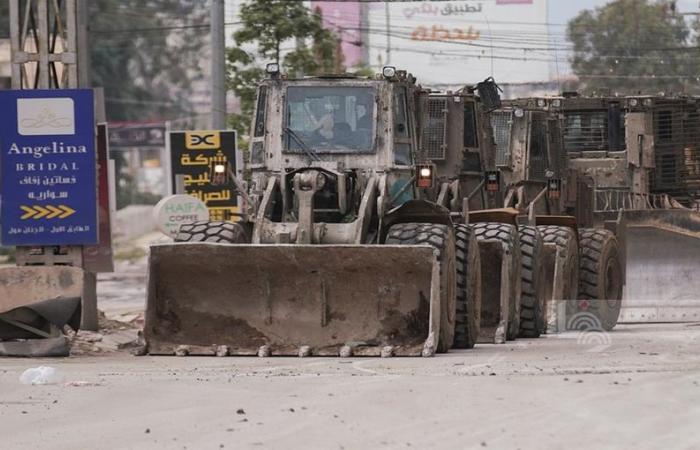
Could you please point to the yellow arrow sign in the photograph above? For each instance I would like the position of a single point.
(55, 212)
(48, 212)
(41, 211)
(29, 212)
(67, 211)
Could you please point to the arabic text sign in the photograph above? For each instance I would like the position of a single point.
(48, 167)
(462, 42)
(194, 155)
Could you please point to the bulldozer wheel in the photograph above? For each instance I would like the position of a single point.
(442, 239)
(205, 231)
(468, 320)
(532, 300)
(508, 234)
(564, 239)
(600, 276)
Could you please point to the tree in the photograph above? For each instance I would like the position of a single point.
(266, 26)
(632, 45)
(146, 56)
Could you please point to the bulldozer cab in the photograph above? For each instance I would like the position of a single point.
(456, 138)
(335, 122)
(528, 143)
(358, 137)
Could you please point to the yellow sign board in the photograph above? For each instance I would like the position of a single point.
(202, 140)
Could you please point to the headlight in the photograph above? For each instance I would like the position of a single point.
(389, 71)
(633, 102)
(541, 103)
(519, 113)
(556, 103)
(425, 176)
(647, 102)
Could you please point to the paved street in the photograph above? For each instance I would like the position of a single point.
(642, 390)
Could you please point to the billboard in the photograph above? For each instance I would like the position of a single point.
(345, 19)
(453, 43)
(48, 167)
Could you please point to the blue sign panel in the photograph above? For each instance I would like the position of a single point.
(47, 167)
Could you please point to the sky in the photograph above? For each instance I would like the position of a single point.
(561, 11)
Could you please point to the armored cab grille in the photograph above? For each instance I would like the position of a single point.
(677, 149)
(502, 123)
(435, 130)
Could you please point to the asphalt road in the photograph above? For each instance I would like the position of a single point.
(638, 389)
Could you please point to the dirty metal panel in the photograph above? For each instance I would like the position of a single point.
(283, 297)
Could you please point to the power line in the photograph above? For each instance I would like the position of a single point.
(164, 28)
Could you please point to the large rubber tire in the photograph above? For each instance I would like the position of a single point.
(532, 300)
(565, 241)
(206, 231)
(507, 234)
(600, 276)
(468, 320)
(440, 237)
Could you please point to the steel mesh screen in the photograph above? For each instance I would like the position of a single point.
(586, 131)
(677, 150)
(502, 122)
(538, 148)
(434, 131)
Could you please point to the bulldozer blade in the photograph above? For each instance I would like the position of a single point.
(496, 291)
(663, 256)
(320, 300)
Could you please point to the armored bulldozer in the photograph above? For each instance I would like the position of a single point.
(631, 165)
(577, 273)
(347, 245)
(642, 153)
(521, 202)
(457, 139)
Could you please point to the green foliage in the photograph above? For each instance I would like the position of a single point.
(266, 26)
(632, 45)
(146, 53)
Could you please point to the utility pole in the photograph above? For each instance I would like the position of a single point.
(30, 24)
(83, 44)
(364, 31)
(218, 67)
(49, 43)
(388, 33)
